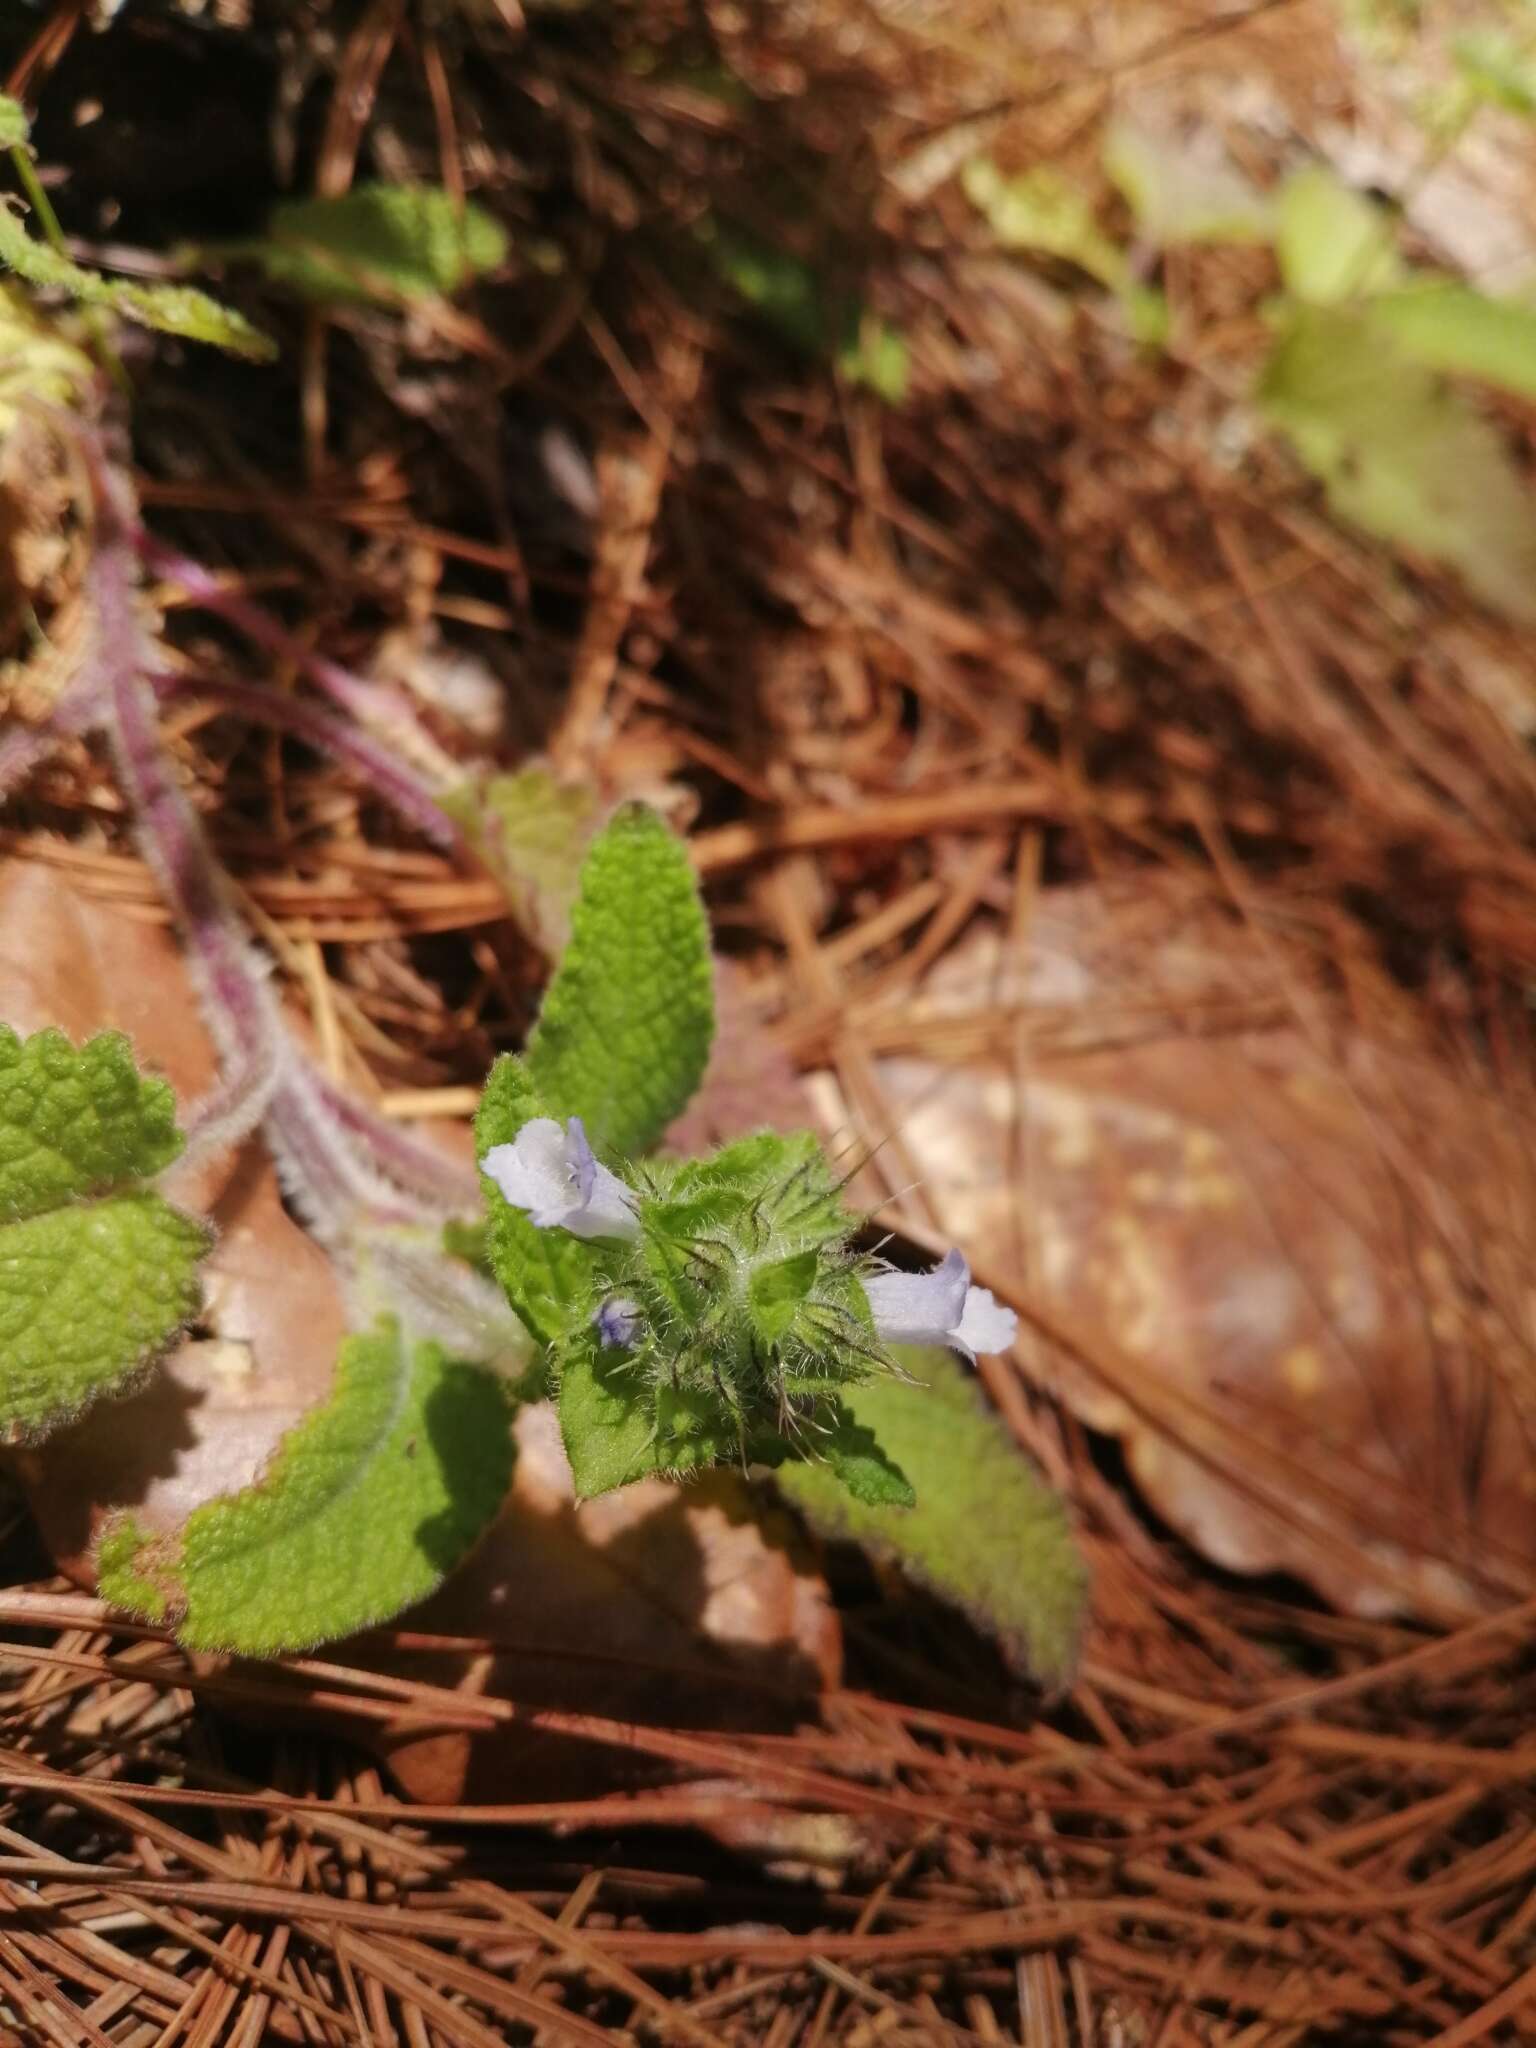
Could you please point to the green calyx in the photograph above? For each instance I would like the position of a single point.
(724, 1331)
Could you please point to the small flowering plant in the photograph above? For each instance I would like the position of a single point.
(682, 1312)
(691, 1312)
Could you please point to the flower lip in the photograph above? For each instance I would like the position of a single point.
(552, 1174)
(939, 1308)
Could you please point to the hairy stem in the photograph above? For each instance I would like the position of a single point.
(241, 1012)
(385, 710)
(378, 765)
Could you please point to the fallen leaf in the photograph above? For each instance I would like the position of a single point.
(73, 960)
(1286, 1265)
(677, 1606)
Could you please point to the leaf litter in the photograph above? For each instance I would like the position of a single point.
(1061, 619)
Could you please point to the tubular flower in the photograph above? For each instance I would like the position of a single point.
(554, 1175)
(941, 1307)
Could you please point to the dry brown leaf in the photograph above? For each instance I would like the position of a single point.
(677, 1606)
(74, 961)
(1289, 1257)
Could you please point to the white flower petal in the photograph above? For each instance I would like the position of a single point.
(919, 1308)
(608, 1211)
(533, 1172)
(985, 1324)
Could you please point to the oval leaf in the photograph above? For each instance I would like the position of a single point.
(625, 1029)
(985, 1532)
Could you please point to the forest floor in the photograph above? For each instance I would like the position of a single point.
(1126, 835)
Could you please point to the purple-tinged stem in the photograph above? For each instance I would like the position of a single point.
(379, 1176)
(425, 1170)
(344, 1167)
(239, 1004)
(377, 705)
(378, 765)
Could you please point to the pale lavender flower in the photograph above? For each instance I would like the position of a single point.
(617, 1321)
(941, 1307)
(553, 1174)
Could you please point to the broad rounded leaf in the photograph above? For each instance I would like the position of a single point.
(77, 1121)
(364, 1508)
(1332, 242)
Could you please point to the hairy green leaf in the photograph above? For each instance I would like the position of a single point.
(626, 1024)
(542, 1272)
(170, 308)
(858, 1460)
(77, 1121)
(985, 1533)
(1402, 456)
(89, 1296)
(606, 1424)
(1333, 243)
(97, 1273)
(379, 242)
(364, 1508)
